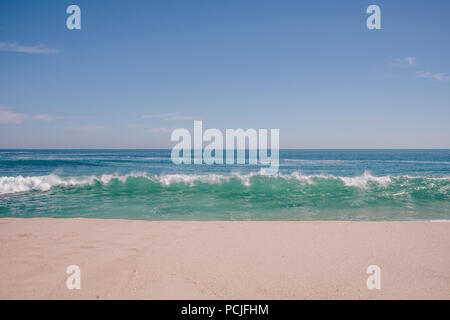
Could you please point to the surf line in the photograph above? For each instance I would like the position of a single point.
(235, 143)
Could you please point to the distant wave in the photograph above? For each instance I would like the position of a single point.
(367, 160)
(46, 163)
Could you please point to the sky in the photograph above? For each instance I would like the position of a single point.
(136, 70)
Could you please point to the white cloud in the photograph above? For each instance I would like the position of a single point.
(162, 130)
(404, 62)
(411, 62)
(434, 76)
(154, 130)
(88, 128)
(136, 126)
(167, 116)
(37, 49)
(8, 116)
(47, 117)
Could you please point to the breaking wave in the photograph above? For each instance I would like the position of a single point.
(279, 182)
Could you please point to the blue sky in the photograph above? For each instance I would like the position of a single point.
(138, 69)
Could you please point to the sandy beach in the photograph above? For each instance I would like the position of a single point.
(126, 259)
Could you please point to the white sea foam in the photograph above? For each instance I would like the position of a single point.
(313, 161)
(190, 179)
(45, 183)
(362, 180)
(309, 179)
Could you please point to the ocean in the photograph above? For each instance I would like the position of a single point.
(145, 184)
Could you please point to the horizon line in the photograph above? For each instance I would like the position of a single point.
(119, 149)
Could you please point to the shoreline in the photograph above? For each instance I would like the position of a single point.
(139, 259)
(220, 221)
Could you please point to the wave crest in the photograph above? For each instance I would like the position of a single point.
(9, 185)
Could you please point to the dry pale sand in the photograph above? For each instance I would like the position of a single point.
(223, 260)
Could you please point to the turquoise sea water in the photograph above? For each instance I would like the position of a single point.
(145, 184)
